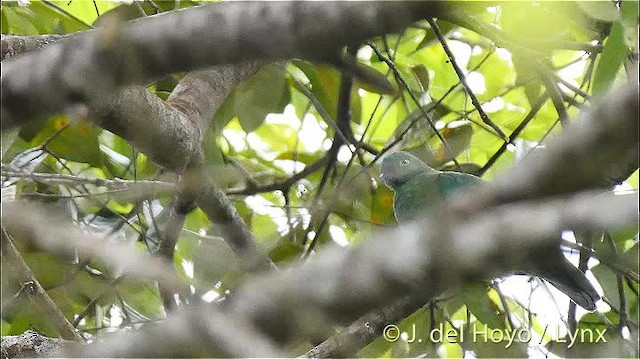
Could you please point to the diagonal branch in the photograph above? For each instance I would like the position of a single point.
(38, 296)
(463, 80)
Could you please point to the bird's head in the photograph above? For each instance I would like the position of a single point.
(400, 166)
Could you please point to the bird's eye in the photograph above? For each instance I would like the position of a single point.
(405, 162)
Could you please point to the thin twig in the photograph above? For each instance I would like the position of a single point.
(421, 108)
(463, 81)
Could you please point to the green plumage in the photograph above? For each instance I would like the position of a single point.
(424, 190)
(419, 188)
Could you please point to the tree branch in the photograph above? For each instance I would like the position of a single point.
(38, 296)
(28, 222)
(85, 68)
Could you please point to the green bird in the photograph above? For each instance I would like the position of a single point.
(419, 188)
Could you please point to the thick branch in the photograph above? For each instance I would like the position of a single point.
(618, 167)
(85, 68)
(13, 45)
(206, 331)
(485, 242)
(422, 259)
(598, 144)
(30, 223)
(32, 345)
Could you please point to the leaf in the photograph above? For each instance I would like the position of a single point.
(457, 135)
(629, 10)
(476, 298)
(50, 270)
(608, 281)
(532, 21)
(622, 235)
(470, 168)
(325, 82)
(421, 73)
(600, 10)
(382, 206)
(5, 30)
(251, 101)
(419, 123)
(142, 297)
(84, 11)
(610, 60)
(368, 77)
(52, 20)
(212, 260)
(526, 75)
(285, 252)
(497, 73)
(430, 36)
(77, 142)
(264, 228)
(124, 12)
(7, 139)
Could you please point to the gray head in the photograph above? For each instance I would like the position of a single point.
(400, 166)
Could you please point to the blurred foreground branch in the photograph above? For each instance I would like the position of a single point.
(614, 119)
(41, 226)
(488, 240)
(340, 285)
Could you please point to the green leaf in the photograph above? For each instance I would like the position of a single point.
(531, 21)
(633, 180)
(430, 36)
(5, 30)
(50, 270)
(18, 20)
(458, 138)
(212, 260)
(142, 297)
(613, 54)
(600, 10)
(52, 20)
(251, 101)
(497, 73)
(285, 252)
(84, 11)
(77, 142)
(264, 228)
(325, 82)
(629, 10)
(422, 74)
(607, 279)
(624, 234)
(368, 78)
(421, 129)
(382, 206)
(8, 137)
(476, 298)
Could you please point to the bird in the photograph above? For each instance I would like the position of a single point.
(418, 188)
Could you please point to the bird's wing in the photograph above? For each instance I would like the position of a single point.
(426, 190)
(450, 182)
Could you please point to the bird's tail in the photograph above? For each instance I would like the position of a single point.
(558, 271)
